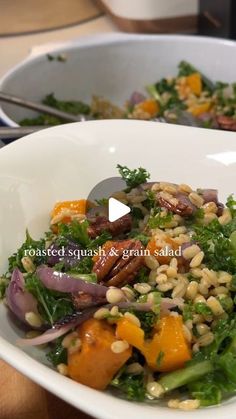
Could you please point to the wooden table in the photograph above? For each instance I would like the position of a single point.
(22, 399)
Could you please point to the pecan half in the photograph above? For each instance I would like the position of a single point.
(183, 207)
(100, 224)
(226, 122)
(118, 268)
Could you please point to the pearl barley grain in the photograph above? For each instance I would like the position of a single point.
(114, 295)
(119, 346)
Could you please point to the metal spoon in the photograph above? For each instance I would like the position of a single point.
(12, 133)
(5, 97)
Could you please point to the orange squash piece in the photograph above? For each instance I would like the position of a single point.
(168, 343)
(194, 81)
(95, 364)
(78, 206)
(128, 331)
(150, 106)
(200, 108)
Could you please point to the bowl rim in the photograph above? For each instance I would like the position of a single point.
(50, 379)
(97, 40)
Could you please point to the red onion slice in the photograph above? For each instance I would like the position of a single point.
(62, 282)
(59, 329)
(18, 299)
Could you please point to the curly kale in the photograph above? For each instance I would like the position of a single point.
(134, 177)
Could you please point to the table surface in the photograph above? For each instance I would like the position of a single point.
(20, 397)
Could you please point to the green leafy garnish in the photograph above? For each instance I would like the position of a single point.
(134, 234)
(75, 231)
(132, 386)
(52, 305)
(202, 308)
(158, 220)
(58, 354)
(84, 266)
(36, 246)
(231, 204)
(134, 177)
(188, 311)
(147, 319)
(4, 281)
(160, 358)
(143, 275)
(78, 233)
(214, 240)
(72, 106)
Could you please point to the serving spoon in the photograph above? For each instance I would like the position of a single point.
(66, 116)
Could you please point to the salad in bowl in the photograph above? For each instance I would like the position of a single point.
(143, 306)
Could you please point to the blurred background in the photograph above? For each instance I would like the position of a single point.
(207, 17)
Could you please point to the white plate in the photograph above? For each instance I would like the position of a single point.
(65, 163)
(113, 66)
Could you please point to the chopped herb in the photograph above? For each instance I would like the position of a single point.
(134, 177)
(202, 308)
(36, 246)
(188, 311)
(132, 386)
(84, 266)
(4, 281)
(160, 358)
(76, 232)
(158, 219)
(134, 234)
(137, 216)
(231, 204)
(147, 319)
(100, 240)
(214, 240)
(150, 201)
(227, 304)
(58, 354)
(70, 106)
(52, 305)
(143, 275)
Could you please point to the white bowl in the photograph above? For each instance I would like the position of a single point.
(113, 66)
(65, 162)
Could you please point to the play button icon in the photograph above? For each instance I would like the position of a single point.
(116, 209)
(102, 195)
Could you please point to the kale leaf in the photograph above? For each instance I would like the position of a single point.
(134, 177)
(132, 386)
(158, 220)
(38, 246)
(52, 305)
(57, 354)
(214, 240)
